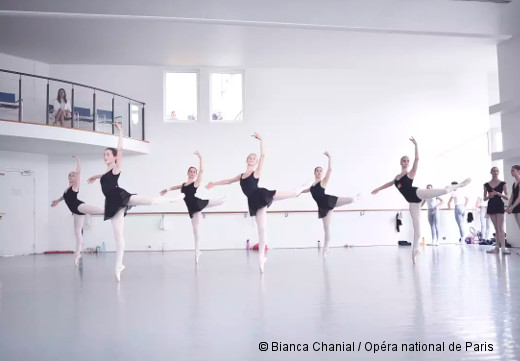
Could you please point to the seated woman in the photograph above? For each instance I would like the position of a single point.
(61, 108)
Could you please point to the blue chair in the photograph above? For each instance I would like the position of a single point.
(104, 116)
(50, 110)
(8, 100)
(83, 114)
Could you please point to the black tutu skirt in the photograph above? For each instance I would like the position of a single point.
(259, 199)
(495, 206)
(116, 200)
(328, 204)
(195, 205)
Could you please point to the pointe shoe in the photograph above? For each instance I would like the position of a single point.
(262, 264)
(197, 255)
(326, 252)
(494, 250)
(465, 182)
(119, 269)
(415, 253)
(506, 251)
(77, 259)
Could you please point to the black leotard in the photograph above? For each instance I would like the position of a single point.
(325, 202)
(515, 196)
(404, 185)
(71, 200)
(115, 198)
(495, 204)
(256, 197)
(193, 203)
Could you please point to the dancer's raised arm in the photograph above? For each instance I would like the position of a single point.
(56, 202)
(172, 188)
(201, 170)
(258, 171)
(411, 174)
(384, 186)
(94, 178)
(223, 182)
(119, 157)
(77, 180)
(325, 180)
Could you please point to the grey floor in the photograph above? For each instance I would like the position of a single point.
(166, 308)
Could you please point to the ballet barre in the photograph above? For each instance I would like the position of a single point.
(361, 211)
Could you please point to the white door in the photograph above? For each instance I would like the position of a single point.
(17, 211)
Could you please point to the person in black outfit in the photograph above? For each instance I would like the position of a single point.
(77, 207)
(494, 192)
(195, 205)
(118, 200)
(258, 199)
(326, 203)
(513, 207)
(414, 196)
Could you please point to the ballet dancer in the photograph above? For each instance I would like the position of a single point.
(414, 196)
(433, 216)
(461, 202)
(485, 220)
(258, 199)
(195, 205)
(77, 207)
(513, 207)
(326, 203)
(494, 192)
(118, 200)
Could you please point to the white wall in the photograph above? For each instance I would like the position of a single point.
(363, 118)
(37, 163)
(32, 95)
(14, 63)
(508, 55)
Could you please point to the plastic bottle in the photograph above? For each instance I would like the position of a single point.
(103, 248)
(247, 244)
(319, 244)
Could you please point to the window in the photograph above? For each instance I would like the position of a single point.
(226, 94)
(495, 140)
(180, 96)
(134, 113)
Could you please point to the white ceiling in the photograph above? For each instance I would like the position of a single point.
(421, 34)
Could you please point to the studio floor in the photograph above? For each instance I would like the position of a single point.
(167, 308)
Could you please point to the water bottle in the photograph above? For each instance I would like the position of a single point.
(247, 245)
(319, 244)
(103, 248)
